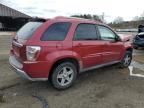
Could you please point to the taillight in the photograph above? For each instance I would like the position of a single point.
(32, 52)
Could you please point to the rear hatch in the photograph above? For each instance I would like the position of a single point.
(24, 34)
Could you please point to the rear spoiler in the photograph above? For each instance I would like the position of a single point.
(36, 19)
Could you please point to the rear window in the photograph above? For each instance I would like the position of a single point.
(28, 29)
(56, 32)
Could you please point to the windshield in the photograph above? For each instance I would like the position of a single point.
(28, 29)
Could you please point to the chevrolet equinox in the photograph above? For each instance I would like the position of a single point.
(59, 49)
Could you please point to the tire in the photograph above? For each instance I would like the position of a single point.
(64, 75)
(135, 47)
(126, 61)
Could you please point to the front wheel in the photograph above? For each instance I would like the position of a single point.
(64, 75)
(135, 47)
(126, 61)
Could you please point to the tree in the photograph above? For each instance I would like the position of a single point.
(136, 18)
(142, 16)
(118, 20)
(88, 16)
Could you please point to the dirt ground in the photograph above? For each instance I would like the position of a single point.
(108, 87)
(139, 58)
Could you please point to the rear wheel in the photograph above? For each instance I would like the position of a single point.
(126, 61)
(64, 75)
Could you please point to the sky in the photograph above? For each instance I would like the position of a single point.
(127, 9)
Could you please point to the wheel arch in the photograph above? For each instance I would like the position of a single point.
(129, 49)
(61, 60)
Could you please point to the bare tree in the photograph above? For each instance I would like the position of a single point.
(136, 18)
(88, 16)
(118, 20)
(142, 16)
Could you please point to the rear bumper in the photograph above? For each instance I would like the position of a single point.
(18, 67)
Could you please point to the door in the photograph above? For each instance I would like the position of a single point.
(112, 48)
(87, 45)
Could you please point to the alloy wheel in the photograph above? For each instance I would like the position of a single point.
(65, 76)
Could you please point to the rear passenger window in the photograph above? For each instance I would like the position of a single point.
(86, 32)
(56, 32)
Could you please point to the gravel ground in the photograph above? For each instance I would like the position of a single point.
(108, 87)
(139, 58)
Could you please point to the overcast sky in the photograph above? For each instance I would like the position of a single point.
(50, 8)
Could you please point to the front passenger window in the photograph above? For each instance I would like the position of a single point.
(106, 33)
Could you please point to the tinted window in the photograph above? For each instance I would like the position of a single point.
(86, 32)
(106, 33)
(28, 29)
(56, 31)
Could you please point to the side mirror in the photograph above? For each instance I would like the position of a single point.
(118, 39)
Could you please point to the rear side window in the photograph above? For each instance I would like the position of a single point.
(86, 32)
(56, 32)
(28, 29)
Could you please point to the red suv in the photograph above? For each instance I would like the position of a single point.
(60, 48)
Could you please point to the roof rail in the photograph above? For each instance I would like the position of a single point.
(63, 17)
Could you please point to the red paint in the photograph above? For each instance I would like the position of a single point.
(87, 53)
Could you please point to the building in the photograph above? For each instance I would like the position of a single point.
(11, 19)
